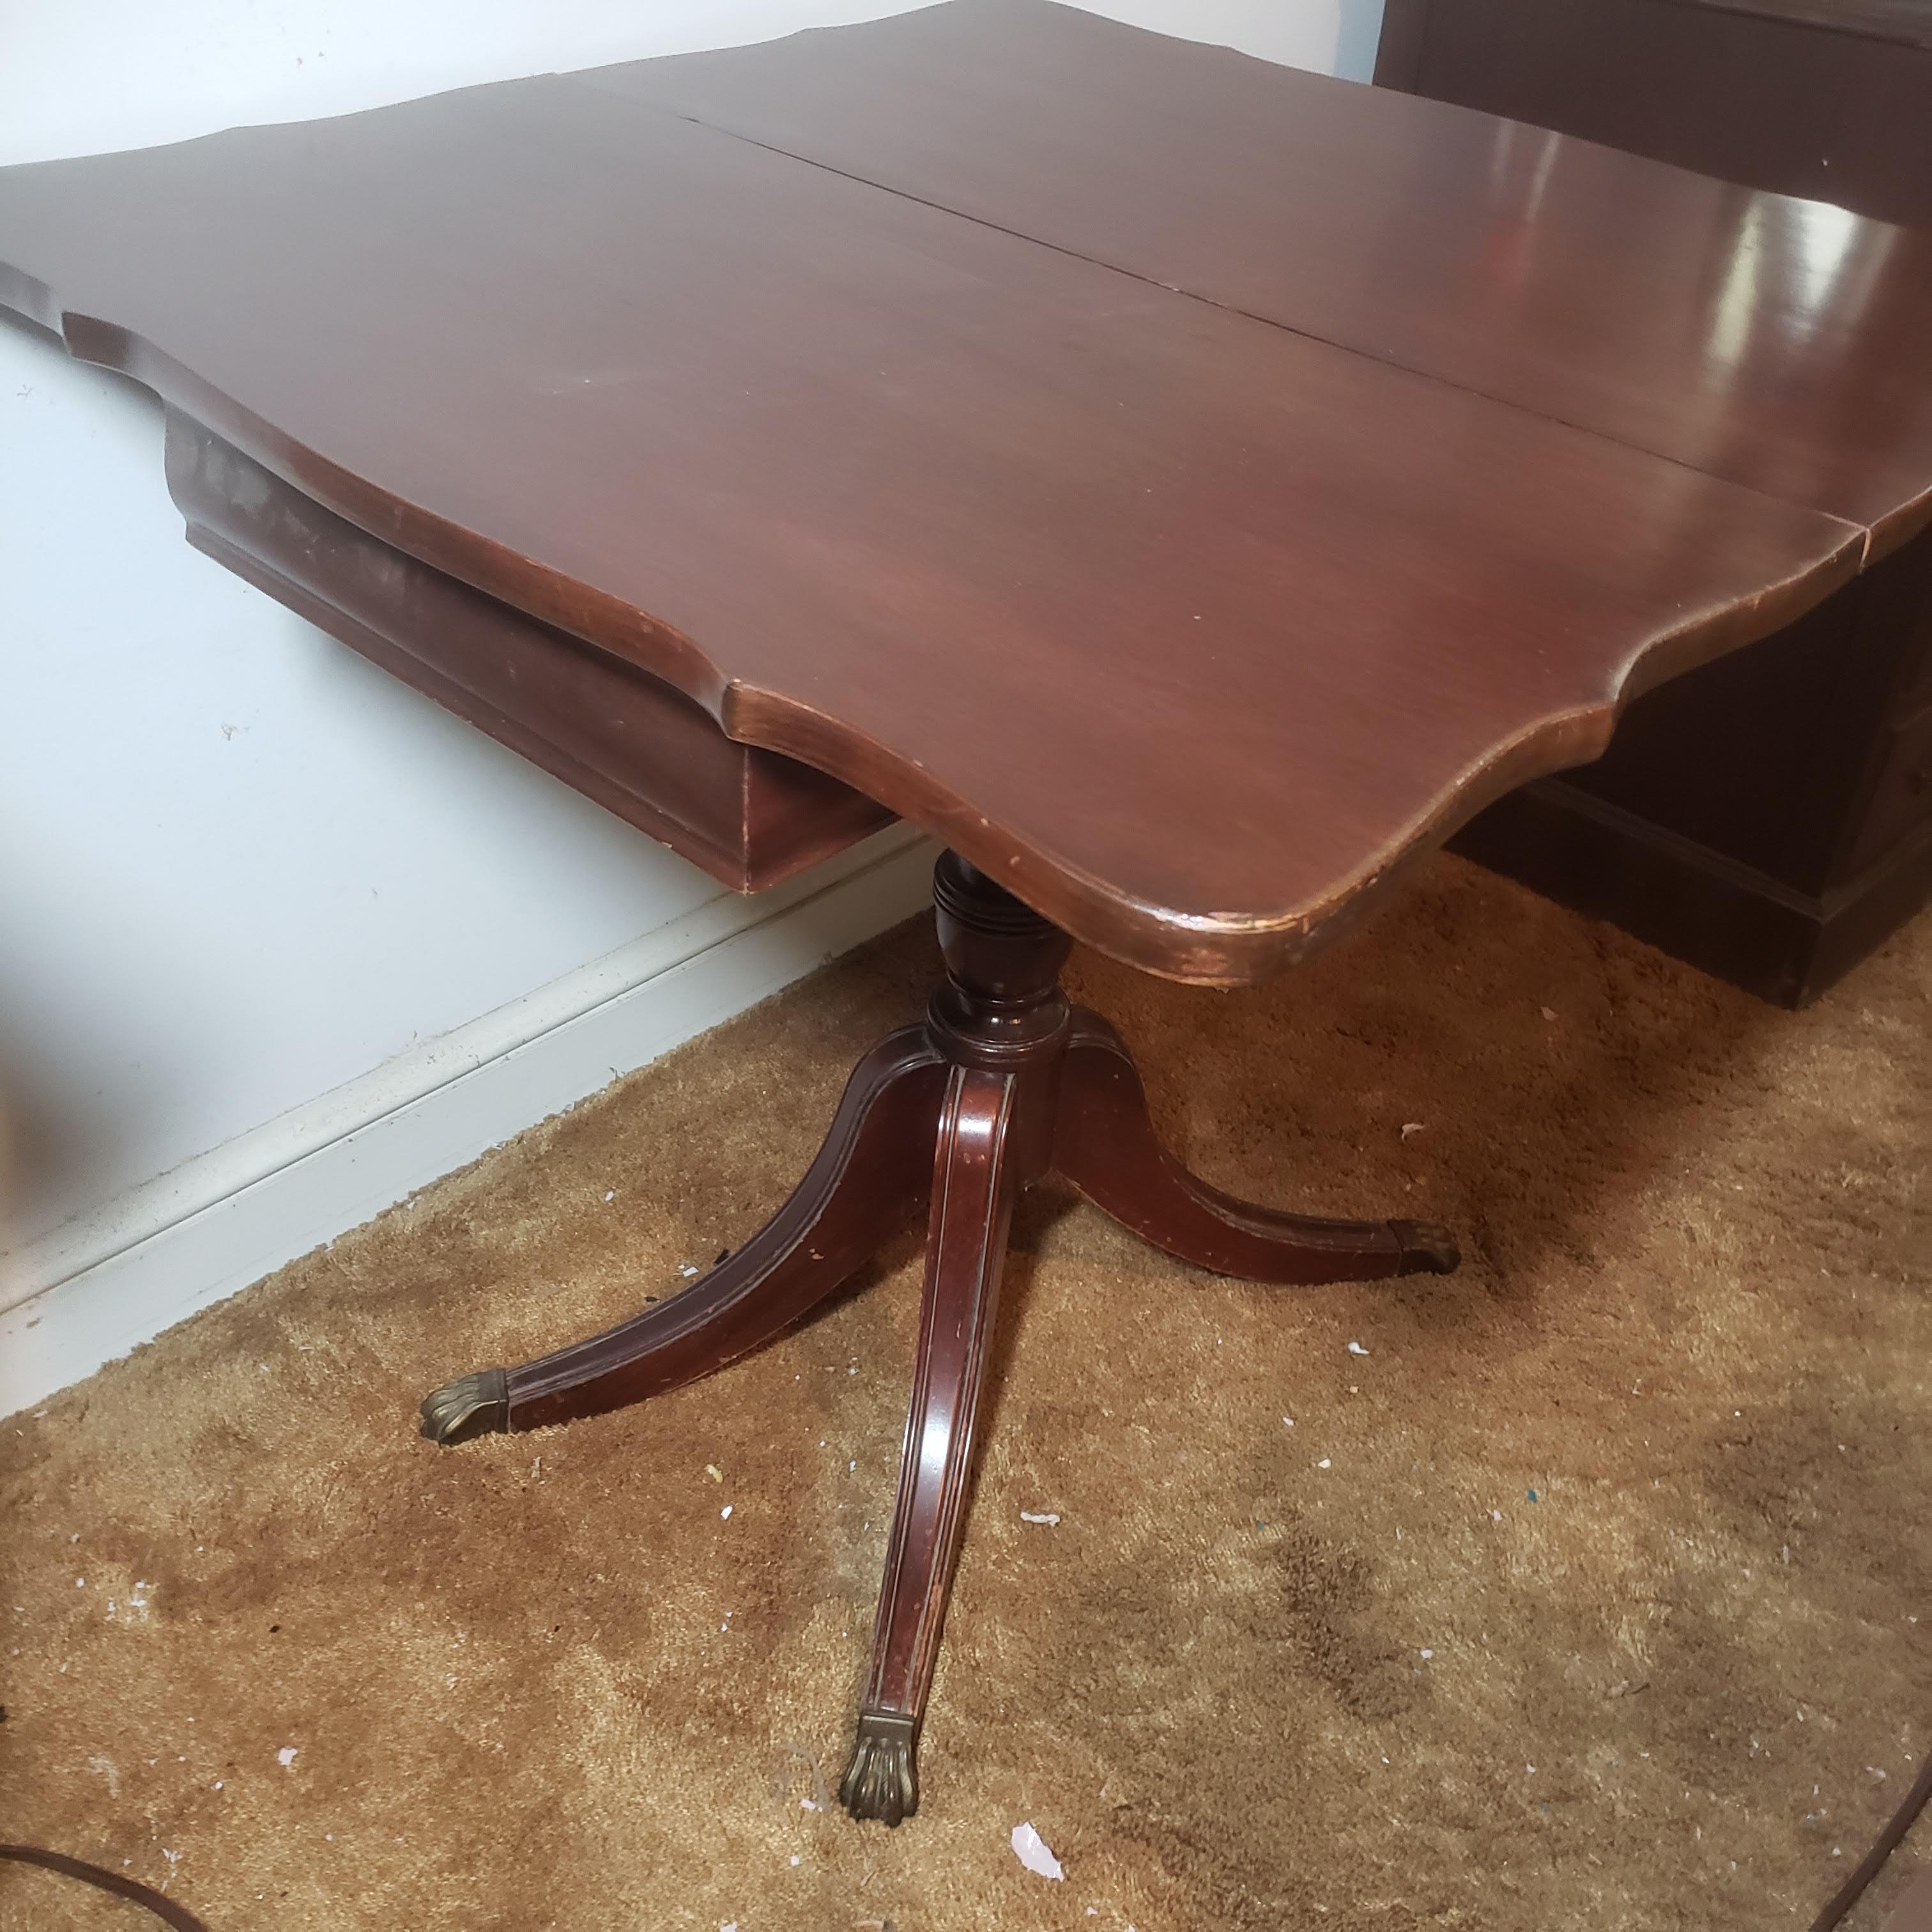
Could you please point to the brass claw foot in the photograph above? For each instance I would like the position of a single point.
(1427, 1248)
(473, 1405)
(882, 1780)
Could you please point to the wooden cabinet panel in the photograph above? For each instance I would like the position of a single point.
(1841, 113)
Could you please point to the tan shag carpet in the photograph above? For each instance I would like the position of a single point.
(1592, 1587)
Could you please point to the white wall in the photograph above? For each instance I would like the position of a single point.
(127, 74)
(255, 897)
(242, 865)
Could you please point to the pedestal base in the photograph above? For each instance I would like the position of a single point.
(1004, 1083)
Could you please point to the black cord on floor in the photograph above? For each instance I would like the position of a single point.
(163, 1908)
(1849, 1894)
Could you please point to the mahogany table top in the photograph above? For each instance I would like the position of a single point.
(1188, 611)
(1778, 343)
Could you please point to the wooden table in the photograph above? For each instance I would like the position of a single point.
(1189, 487)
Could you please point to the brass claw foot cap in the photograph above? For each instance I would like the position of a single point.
(1427, 1247)
(881, 1781)
(472, 1405)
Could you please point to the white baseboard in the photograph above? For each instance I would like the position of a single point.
(92, 1290)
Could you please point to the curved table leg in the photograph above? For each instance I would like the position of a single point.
(1105, 1145)
(974, 1183)
(866, 1184)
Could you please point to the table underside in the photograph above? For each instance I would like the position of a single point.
(635, 744)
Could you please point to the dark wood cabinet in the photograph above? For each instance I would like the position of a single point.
(1768, 818)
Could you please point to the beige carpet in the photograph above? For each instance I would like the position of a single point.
(1584, 1591)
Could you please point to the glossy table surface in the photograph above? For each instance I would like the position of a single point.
(1185, 486)
(1779, 343)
